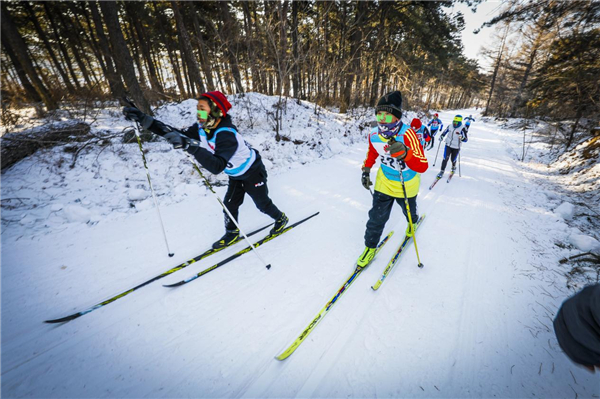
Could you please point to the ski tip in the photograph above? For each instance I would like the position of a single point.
(171, 255)
(268, 266)
(174, 285)
(61, 320)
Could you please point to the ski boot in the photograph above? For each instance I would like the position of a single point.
(229, 238)
(409, 232)
(439, 175)
(366, 257)
(279, 224)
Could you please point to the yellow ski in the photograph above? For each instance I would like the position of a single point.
(285, 354)
(396, 256)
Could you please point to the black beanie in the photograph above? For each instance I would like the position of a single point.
(577, 326)
(390, 103)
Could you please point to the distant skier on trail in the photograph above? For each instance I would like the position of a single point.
(421, 131)
(468, 121)
(221, 149)
(457, 134)
(434, 125)
(397, 147)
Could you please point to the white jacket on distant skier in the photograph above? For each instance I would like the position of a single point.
(455, 135)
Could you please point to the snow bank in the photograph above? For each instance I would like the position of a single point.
(565, 210)
(77, 214)
(584, 243)
(138, 194)
(111, 179)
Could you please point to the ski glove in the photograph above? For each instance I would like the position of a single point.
(398, 150)
(134, 114)
(366, 178)
(177, 140)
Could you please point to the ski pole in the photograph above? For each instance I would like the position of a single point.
(210, 187)
(438, 150)
(412, 226)
(139, 140)
(459, 144)
(459, 175)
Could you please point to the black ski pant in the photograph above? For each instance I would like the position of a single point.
(380, 213)
(448, 153)
(255, 186)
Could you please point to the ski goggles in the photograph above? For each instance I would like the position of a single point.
(202, 115)
(384, 118)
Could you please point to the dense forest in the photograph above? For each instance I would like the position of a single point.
(547, 62)
(338, 53)
(335, 53)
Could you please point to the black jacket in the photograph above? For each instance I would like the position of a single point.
(226, 146)
(577, 326)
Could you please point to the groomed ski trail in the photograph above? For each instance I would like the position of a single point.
(473, 323)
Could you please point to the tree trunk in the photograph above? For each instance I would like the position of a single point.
(188, 52)
(122, 56)
(92, 39)
(202, 49)
(15, 41)
(162, 20)
(61, 46)
(229, 25)
(536, 46)
(353, 64)
(132, 9)
(494, 75)
(42, 35)
(574, 129)
(84, 40)
(135, 55)
(283, 9)
(72, 40)
(22, 75)
(186, 76)
(295, 51)
(114, 79)
(250, 46)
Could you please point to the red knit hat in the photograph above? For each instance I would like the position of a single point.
(219, 99)
(416, 124)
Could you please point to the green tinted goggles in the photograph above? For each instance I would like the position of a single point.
(202, 115)
(381, 118)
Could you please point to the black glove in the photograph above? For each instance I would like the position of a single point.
(398, 150)
(177, 140)
(134, 114)
(366, 178)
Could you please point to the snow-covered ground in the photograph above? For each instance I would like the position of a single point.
(476, 321)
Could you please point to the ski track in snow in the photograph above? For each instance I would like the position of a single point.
(476, 321)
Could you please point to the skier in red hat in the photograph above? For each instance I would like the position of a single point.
(218, 147)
